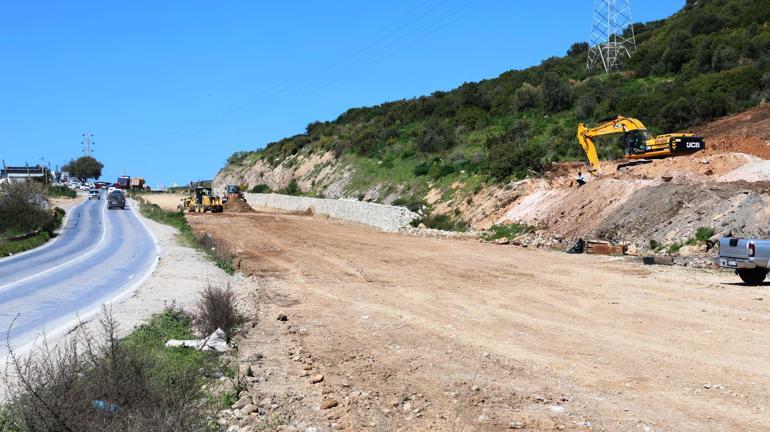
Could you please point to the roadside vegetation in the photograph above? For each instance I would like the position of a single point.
(60, 191)
(100, 382)
(509, 231)
(215, 249)
(25, 222)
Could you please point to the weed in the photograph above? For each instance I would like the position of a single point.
(674, 248)
(217, 309)
(509, 231)
(654, 245)
(61, 191)
(101, 383)
(704, 234)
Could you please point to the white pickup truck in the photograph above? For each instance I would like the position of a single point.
(749, 258)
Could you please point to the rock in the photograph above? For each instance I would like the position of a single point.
(503, 241)
(307, 367)
(266, 402)
(516, 425)
(476, 388)
(329, 403)
(233, 428)
(556, 409)
(707, 386)
(248, 409)
(688, 251)
(315, 379)
(242, 402)
(632, 250)
(282, 317)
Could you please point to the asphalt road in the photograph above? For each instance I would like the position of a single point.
(100, 255)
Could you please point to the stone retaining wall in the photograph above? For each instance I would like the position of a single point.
(385, 217)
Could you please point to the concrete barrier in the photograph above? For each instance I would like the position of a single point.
(385, 217)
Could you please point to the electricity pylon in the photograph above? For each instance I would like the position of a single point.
(612, 35)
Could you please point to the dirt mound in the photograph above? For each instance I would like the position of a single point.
(670, 213)
(745, 132)
(236, 206)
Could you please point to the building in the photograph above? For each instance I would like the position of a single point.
(26, 173)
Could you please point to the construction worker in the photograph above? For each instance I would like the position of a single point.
(580, 179)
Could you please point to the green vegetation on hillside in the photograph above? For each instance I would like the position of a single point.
(707, 60)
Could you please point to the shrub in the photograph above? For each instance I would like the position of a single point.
(101, 383)
(61, 191)
(21, 209)
(509, 231)
(412, 203)
(217, 309)
(704, 234)
(261, 188)
(586, 106)
(292, 188)
(423, 168)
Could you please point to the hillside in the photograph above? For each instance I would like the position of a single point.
(442, 152)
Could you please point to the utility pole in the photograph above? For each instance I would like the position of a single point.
(612, 35)
(88, 144)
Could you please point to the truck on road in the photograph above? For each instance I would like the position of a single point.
(748, 257)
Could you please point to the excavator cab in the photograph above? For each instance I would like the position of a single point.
(635, 141)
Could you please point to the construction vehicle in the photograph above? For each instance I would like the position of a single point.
(137, 183)
(201, 199)
(124, 182)
(637, 141)
(233, 193)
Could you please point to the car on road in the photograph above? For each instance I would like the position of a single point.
(116, 199)
(94, 193)
(750, 258)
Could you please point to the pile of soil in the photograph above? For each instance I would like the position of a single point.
(235, 206)
(745, 132)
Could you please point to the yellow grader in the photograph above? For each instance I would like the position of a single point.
(201, 199)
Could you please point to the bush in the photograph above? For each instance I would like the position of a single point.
(101, 383)
(261, 188)
(556, 93)
(412, 203)
(61, 191)
(509, 231)
(21, 209)
(423, 168)
(703, 234)
(586, 106)
(217, 309)
(291, 189)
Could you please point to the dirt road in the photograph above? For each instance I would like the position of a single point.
(422, 334)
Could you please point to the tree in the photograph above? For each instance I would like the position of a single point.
(586, 106)
(556, 93)
(578, 48)
(526, 97)
(84, 168)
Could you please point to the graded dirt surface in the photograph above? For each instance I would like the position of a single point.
(420, 334)
(166, 201)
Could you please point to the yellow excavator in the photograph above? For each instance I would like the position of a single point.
(637, 142)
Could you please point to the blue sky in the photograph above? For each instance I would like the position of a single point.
(170, 89)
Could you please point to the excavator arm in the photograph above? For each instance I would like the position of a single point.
(617, 125)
